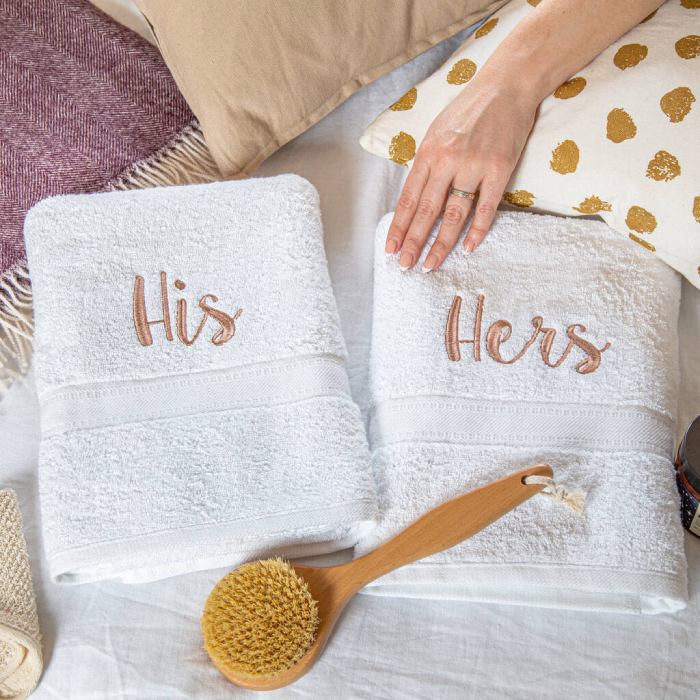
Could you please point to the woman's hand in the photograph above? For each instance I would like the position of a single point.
(475, 142)
(473, 145)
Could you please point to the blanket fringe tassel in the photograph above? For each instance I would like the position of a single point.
(185, 160)
(16, 325)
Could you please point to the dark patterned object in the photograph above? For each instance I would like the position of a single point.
(688, 477)
(690, 500)
(82, 99)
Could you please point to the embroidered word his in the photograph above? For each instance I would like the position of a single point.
(500, 331)
(227, 323)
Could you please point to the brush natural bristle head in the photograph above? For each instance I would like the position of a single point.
(259, 620)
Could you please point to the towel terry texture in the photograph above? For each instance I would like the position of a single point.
(191, 376)
(556, 341)
(20, 640)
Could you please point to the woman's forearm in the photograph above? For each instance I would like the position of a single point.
(475, 142)
(559, 38)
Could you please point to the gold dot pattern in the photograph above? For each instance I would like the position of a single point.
(663, 166)
(642, 242)
(623, 142)
(640, 220)
(565, 158)
(462, 72)
(630, 55)
(620, 126)
(570, 88)
(405, 102)
(593, 205)
(689, 46)
(519, 198)
(486, 27)
(676, 104)
(402, 148)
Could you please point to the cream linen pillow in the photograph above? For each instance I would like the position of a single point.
(620, 139)
(257, 73)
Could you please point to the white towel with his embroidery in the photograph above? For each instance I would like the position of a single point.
(556, 341)
(191, 375)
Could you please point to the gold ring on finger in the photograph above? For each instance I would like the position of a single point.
(462, 193)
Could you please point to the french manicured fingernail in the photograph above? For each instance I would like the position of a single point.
(391, 247)
(405, 261)
(430, 263)
(468, 247)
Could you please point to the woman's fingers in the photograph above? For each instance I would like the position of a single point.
(491, 192)
(427, 210)
(422, 198)
(453, 220)
(406, 206)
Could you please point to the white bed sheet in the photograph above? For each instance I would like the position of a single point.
(142, 641)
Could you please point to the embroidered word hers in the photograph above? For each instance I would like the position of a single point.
(500, 331)
(227, 323)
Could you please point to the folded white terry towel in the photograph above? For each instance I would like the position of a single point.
(20, 641)
(555, 341)
(194, 402)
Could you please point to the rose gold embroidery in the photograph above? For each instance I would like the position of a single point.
(494, 338)
(181, 314)
(592, 362)
(452, 331)
(141, 322)
(477, 329)
(452, 339)
(546, 348)
(500, 331)
(227, 323)
(142, 325)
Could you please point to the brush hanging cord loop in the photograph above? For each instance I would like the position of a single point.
(576, 500)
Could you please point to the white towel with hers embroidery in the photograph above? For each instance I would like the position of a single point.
(191, 375)
(556, 341)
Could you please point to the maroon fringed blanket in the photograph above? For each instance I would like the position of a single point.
(82, 99)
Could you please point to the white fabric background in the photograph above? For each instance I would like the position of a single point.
(143, 641)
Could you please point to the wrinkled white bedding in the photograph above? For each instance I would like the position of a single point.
(142, 641)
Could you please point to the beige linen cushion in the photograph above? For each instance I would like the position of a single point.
(257, 73)
(620, 139)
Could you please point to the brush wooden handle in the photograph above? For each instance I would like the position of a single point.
(441, 528)
(444, 526)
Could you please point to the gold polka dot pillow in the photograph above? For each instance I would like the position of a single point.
(620, 139)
